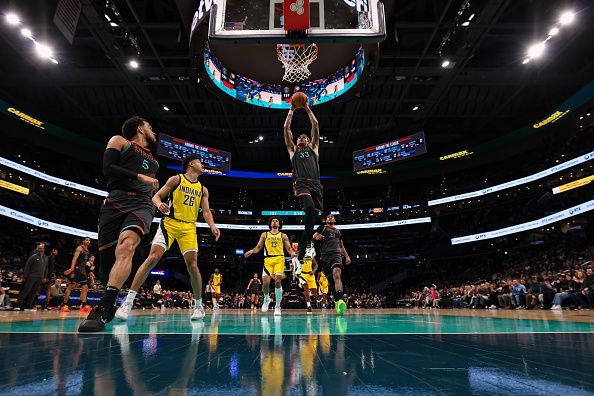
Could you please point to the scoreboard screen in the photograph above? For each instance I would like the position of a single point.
(405, 147)
(178, 149)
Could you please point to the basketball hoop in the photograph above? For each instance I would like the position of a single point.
(296, 59)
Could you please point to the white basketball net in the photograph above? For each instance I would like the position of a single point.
(296, 59)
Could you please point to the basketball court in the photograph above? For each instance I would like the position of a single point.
(263, 53)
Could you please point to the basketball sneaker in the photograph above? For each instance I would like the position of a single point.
(309, 310)
(340, 307)
(85, 308)
(265, 304)
(123, 311)
(198, 313)
(96, 320)
(277, 311)
(64, 308)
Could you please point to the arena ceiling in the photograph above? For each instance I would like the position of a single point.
(485, 92)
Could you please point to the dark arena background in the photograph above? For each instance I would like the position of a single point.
(456, 156)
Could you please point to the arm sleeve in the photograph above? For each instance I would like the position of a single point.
(320, 229)
(112, 170)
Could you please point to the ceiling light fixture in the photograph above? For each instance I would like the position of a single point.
(134, 64)
(415, 108)
(554, 31)
(567, 17)
(525, 61)
(536, 50)
(26, 33)
(445, 63)
(165, 108)
(43, 50)
(260, 138)
(13, 19)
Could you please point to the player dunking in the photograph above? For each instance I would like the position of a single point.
(274, 243)
(186, 196)
(254, 288)
(126, 214)
(216, 280)
(306, 176)
(331, 253)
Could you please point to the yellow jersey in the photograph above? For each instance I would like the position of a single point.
(307, 266)
(323, 280)
(216, 279)
(185, 199)
(273, 246)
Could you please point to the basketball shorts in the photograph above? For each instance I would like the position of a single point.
(121, 211)
(274, 265)
(324, 288)
(217, 289)
(328, 262)
(311, 187)
(171, 230)
(309, 279)
(79, 279)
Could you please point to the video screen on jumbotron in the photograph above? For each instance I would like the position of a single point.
(396, 150)
(178, 149)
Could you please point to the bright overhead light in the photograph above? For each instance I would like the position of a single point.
(260, 138)
(251, 142)
(554, 31)
(445, 63)
(43, 50)
(415, 108)
(13, 19)
(107, 17)
(536, 50)
(134, 64)
(470, 17)
(26, 33)
(567, 17)
(467, 23)
(165, 108)
(54, 60)
(113, 24)
(331, 142)
(525, 61)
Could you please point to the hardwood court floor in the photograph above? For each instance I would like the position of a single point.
(363, 353)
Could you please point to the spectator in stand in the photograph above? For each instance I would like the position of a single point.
(562, 286)
(4, 297)
(35, 273)
(547, 293)
(505, 298)
(157, 290)
(574, 286)
(56, 294)
(584, 298)
(533, 292)
(518, 294)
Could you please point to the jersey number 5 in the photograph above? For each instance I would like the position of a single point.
(145, 164)
(188, 200)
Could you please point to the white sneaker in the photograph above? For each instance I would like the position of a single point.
(492, 307)
(123, 311)
(198, 313)
(265, 305)
(216, 307)
(556, 308)
(277, 311)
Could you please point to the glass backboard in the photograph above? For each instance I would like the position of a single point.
(353, 21)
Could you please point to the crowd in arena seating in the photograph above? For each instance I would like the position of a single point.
(556, 280)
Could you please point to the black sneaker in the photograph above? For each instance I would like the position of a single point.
(96, 320)
(309, 310)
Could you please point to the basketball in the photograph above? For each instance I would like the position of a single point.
(298, 100)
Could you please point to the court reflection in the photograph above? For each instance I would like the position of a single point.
(272, 363)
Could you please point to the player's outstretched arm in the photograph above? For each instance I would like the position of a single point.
(169, 186)
(208, 215)
(288, 134)
(258, 247)
(288, 245)
(74, 259)
(315, 130)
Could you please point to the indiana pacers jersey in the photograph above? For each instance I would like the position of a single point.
(323, 280)
(185, 199)
(216, 279)
(307, 266)
(273, 246)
